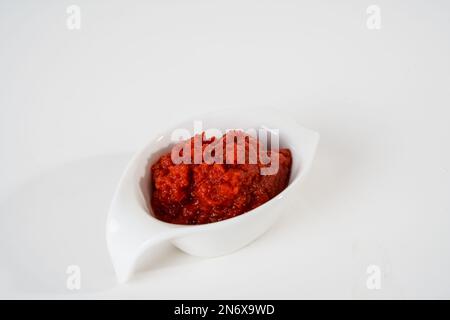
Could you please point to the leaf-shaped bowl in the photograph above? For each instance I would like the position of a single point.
(132, 230)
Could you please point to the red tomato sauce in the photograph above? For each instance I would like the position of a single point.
(204, 193)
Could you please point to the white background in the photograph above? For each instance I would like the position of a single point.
(75, 104)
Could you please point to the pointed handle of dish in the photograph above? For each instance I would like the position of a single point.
(130, 230)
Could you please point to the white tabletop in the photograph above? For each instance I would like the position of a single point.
(75, 104)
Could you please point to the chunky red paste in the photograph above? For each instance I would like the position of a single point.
(204, 193)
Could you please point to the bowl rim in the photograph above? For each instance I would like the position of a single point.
(236, 219)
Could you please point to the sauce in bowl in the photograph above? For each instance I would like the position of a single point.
(205, 192)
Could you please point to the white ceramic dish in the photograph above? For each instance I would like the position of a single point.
(131, 229)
